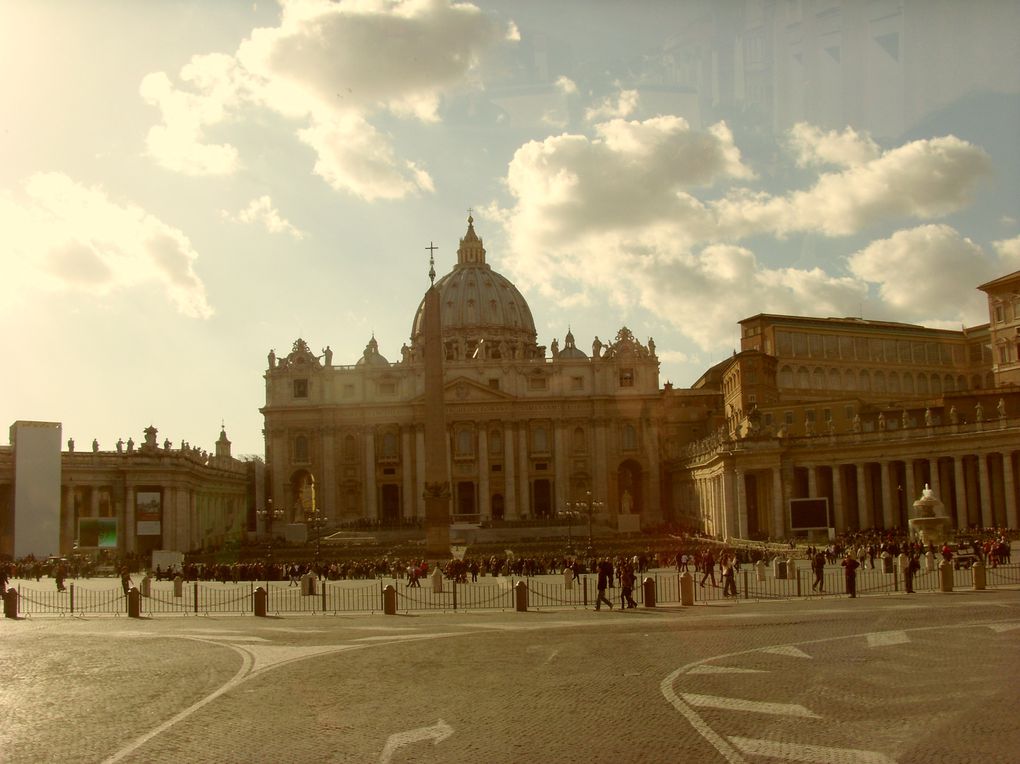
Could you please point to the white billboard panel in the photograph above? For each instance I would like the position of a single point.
(36, 488)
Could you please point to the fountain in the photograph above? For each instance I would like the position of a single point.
(930, 522)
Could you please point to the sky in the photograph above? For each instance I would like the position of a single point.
(187, 185)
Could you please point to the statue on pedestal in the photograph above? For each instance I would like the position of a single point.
(95, 446)
(70, 445)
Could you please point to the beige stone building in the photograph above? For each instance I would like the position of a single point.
(132, 500)
(1004, 327)
(530, 428)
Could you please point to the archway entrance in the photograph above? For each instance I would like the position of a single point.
(390, 505)
(542, 498)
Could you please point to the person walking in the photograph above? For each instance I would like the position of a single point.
(729, 575)
(818, 567)
(913, 566)
(61, 576)
(850, 566)
(125, 579)
(709, 562)
(627, 579)
(605, 570)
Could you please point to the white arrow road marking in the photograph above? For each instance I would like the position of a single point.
(788, 650)
(709, 668)
(810, 753)
(752, 706)
(437, 733)
(886, 638)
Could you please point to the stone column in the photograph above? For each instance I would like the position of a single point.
(838, 518)
(863, 516)
(511, 510)
(985, 498)
(738, 478)
(523, 492)
(778, 511)
(327, 484)
(652, 510)
(94, 501)
(961, 493)
(600, 482)
(562, 467)
(67, 530)
(419, 465)
(812, 481)
(371, 500)
(933, 469)
(729, 501)
(407, 492)
(1009, 488)
(910, 489)
(887, 513)
(484, 508)
(130, 540)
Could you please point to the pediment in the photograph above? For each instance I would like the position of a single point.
(462, 389)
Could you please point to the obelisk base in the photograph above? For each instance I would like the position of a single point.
(437, 526)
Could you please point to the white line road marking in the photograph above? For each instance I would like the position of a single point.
(405, 637)
(810, 753)
(265, 657)
(437, 733)
(749, 706)
(788, 650)
(1001, 627)
(708, 668)
(231, 637)
(886, 638)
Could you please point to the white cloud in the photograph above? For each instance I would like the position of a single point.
(650, 212)
(1009, 253)
(261, 210)
(919, 273)
(566, 85)
(623, 106)
(330, 66)
(66, 236)
(846, 149)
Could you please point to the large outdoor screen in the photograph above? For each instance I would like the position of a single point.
(97, 533)
(148, 513)
(809, 514)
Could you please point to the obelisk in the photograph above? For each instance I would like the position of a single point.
(437, 482)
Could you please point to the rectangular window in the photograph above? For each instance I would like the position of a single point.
(827, 415)
(626, 378)
(300, 388)
(1000, 314)
(497, 467)
(577, 383)
(536, 383)
(809, 416)
(387, 388)
(1003, 354)
(767, 419)
(752, 398)
(788, 417)
(494, 383)
(848, 412)
(348, 391)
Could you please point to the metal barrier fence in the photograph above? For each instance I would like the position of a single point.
(495, 593)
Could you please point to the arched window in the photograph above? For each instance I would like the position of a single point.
(908, 382)
(865, 380)
(834, 379)
(922, 384)
(936, 384)
(849, 380)
(301, 449)
(786, 377)
(389, 445)
(803, 379)
(878, 383)
(580, 446)
(894, 382)
(818, 379)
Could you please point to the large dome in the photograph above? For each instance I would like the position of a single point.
(477, 303)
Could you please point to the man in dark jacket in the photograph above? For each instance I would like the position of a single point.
(605, 569)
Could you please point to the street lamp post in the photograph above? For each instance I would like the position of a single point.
(583, 506)
(315, 521)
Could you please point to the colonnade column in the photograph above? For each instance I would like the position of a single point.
(985, 497)
(510, 508)
(419, 466)
(887, 515)
(738, 477)
(961, 493)
(371, 500)
(600, 486)
(933, 469)
(523, 494)
(729, 504)
(778, 521)
(910, 490)
(327, 482)
(129, 519)
(812, 481)
(837, 499)
(1009, 486)
(862, 498)
(407, 474)
(484, 509)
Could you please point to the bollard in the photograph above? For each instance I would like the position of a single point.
(11, 604)
(437, 580)
(261, 596)
(979, 575)
(929, 561)
(568, 579)
(178, 586)
(945, 576)
(776, 574)
(887, 562)
(134, 603)
(649, 587)
(146, 589)
(521, 597)
(686, 588)
(389, 599)
(759, 571)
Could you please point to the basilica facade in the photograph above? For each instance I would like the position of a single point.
(531, 430)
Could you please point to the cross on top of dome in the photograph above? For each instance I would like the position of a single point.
(471, 251)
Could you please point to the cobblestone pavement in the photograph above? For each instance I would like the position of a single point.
(926, 678)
